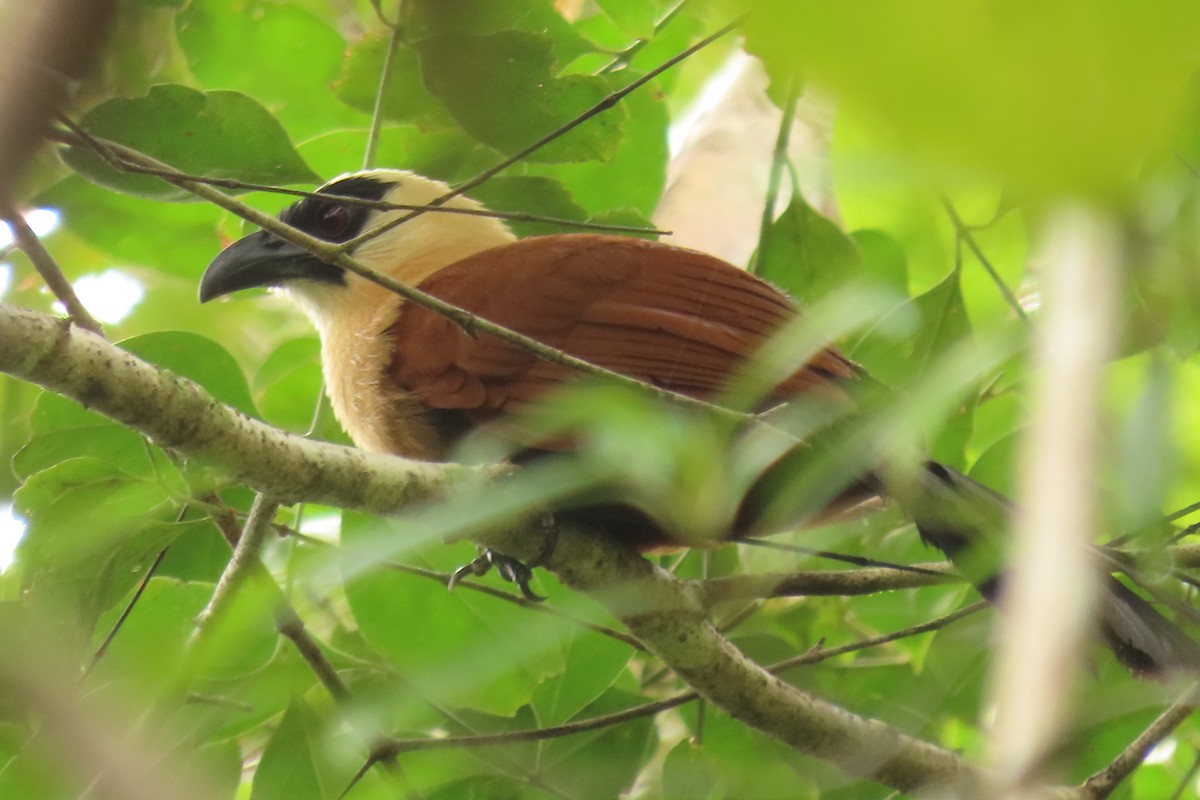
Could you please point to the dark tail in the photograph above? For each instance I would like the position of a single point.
(963, 518)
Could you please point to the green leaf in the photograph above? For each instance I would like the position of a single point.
(807, 254)
(282, 55)
(527, 194)
(506, 95)
(448, 155)
(137, 229)
(289, 766)
(62, 429)
(406, 99)
(883, 259)
(605, 763)
(635, 176)
(197, 358)
(635, 17)
(289, 385)
(1071, 108)
(460, 648)
(690, 772)
(217, 134)
(593, 664)
(907, 341)
(92, 529)
(428, 18)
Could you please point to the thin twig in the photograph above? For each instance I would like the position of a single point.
(623, 58)
(106, 150)
(778, 160)
(444, 577)
(964, 233)
(287, 620)
(843, 583)
(845, 558)
(608, 102)
(814, 656)
(1102, 784)
(44, 263)
(241, 563)
(125, 612)
(332, 254)
(380, 97)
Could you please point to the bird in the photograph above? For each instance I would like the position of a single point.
(405, 380)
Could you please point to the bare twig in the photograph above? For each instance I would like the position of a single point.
(963, 231)
(381, 97)
(1101, 784)
(241, 564)
(333, 254)
(828, 582)
(44, 263)
(444, 577)
(111, 152)
(779, 158)
(810, 658)
(608, 102)
(125, 612)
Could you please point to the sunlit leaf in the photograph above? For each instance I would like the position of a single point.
(192, 132)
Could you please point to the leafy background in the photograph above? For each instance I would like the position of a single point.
(957, 126)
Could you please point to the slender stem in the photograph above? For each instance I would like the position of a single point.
(111, 152)
(608, 102)
(380, 96)
(125, 612)
(779, 159)
(44, 263)
(333, 254)
(964, 233)
(241, 564)
(1103, 783)
(814, 656)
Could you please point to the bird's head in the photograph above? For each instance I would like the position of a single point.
(408, 252)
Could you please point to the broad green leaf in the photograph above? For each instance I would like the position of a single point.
(288, 385)
(531, 195)
(282, 55)
(197, 358)
(635, 175)
(807, 254)
(605, 763)
(635, 17)
(593, 663)
(461, 648)
(92, 529)
(1072, 108)
(883, 259)
(448, 155)
(690, 772)
(291, 763)
(62, 429)
(193, 132)
(148, 646)
(406, 99)
(907, 341)
(507, 96)
(427, 18)
(138, 230)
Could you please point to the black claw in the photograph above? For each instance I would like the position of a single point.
(510, 569)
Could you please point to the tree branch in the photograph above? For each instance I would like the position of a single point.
(667, 615)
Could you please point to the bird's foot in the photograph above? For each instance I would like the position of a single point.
(509, 568)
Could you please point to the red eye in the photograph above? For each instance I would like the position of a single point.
(333, 221)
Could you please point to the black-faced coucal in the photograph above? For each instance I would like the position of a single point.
(405, 380)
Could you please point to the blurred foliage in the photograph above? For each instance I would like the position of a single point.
(996, 110)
